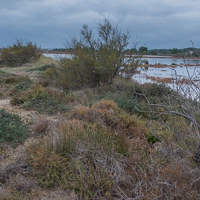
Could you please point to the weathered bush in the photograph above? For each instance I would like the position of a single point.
(20, 53)
(106, 113)
(95, 59)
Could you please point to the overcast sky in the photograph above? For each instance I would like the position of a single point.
(49, 23)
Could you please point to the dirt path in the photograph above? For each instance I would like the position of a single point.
(4, 102)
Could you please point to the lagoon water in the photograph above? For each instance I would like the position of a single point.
(170, 61)
(181, 71)
(55, 56)
(165, 60)
(168, 72)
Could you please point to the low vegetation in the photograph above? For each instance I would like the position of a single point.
(20, 53)
(110, 138)
(12, 129)
(88, 153)
(95, 60)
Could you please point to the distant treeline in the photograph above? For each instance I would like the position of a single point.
(144, 50)
(176, 52)
(58, 50)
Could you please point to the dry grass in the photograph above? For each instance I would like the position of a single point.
(99, 151)
(40, 124)
(106, 113)
(89, 154)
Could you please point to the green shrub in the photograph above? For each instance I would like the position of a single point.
(23, 85)
(92, 154)
(42, 68)
(132, 97)
(43, 100)
(124, 101)
(48, 106)
(19, 87)
(14, 85)
(152, 138)
(16, 100)
(95, 60)
(12, 129)
(20, 53)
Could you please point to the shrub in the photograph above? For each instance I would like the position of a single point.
(20, 53)
(12, 129)
(93, 154)
(48, 106)
(95, 60)
(106, 113)
(80, 156)
(13, 85)
(16, 100)
(125, 101)
(23, 84)
(43, 100)
(42, 68)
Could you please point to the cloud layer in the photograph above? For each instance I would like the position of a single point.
(163, 24)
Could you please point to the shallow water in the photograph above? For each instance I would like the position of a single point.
(179, 72)
(166, 72)
(170, 61)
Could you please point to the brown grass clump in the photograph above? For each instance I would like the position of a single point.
(176, 180)
(40, 124)
(92, 154)
(15, 182)
(79, 156)
(107, 113)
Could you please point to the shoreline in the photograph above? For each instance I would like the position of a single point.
(144, 56)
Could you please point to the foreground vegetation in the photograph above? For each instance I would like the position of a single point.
(117, 140)
(104, 142)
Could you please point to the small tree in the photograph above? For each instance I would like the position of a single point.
(175, 51)
(143, 50)
(20, 53)
(97, 59)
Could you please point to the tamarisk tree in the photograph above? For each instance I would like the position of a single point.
(96, 59)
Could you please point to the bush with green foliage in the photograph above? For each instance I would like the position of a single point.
(96, 60)
(42, 68)
(143, 50)
(128, 96)
(43, 100)
(12, 129)
(20, 53)
(13, 85)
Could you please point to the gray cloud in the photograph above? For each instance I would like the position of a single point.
(164, 24)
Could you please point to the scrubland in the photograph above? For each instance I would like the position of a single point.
(111, 141)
